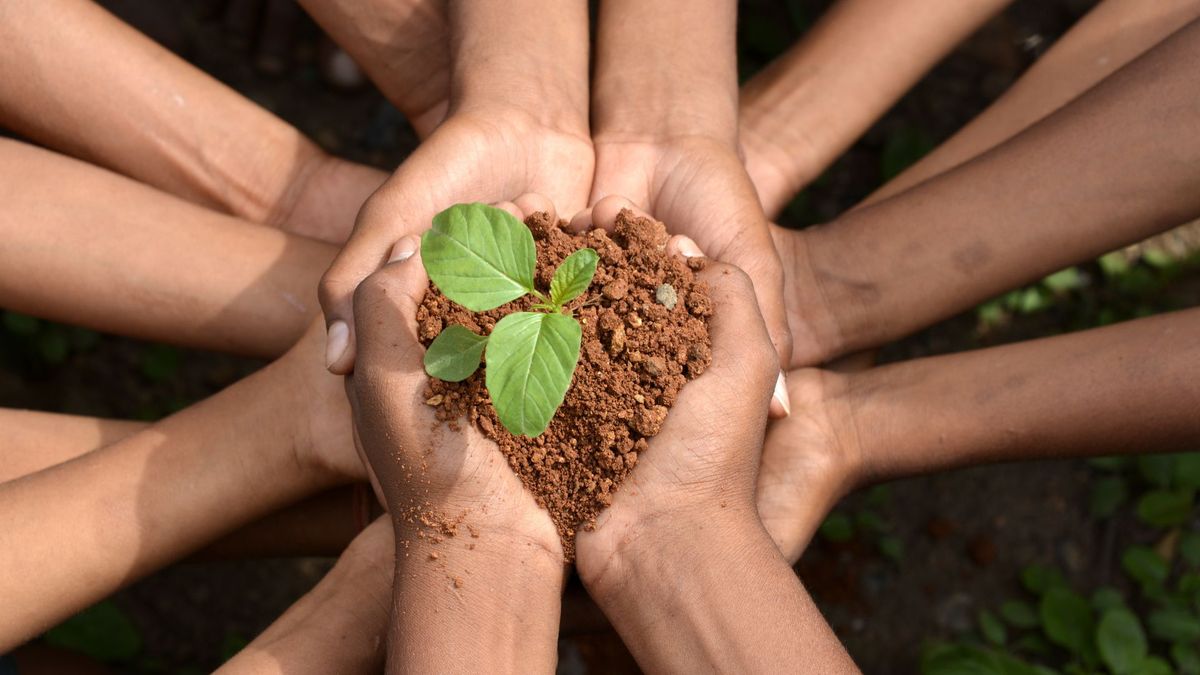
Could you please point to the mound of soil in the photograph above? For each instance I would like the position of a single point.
(645, 334)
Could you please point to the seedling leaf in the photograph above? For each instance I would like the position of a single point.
(454, 354)
(1174, 625)
(479, 256)
(530, 360)
(573, 276)
(1165, 508)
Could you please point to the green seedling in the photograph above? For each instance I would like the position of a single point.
(482, 257)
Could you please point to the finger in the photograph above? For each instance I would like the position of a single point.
(385, 309)
(780, 404)
(741, 344)
(581, 222)
(532, 202)
(755, 253)
(605, 211)
(512, 208)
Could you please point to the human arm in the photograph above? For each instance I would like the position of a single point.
(170, 271)
(78, 531)
(479, 565)
(75, 78)
(686, 513)
(664, 102)
(804, 109)
(517, 123)
(1010, 216)
(1107, 38)
(1123, 389)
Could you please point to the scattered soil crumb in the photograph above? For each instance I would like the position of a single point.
(640, 347)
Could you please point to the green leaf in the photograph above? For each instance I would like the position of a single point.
(102, 631)
(1064, 280)
(903, 148)
(1114, 264)
(1108, 493)
(1144, 566)
(1067, 619)
(530, 360)
(1157, 469)
(992, 628)
(573, 276)
(1038, 579)
(1154, 666)
(1173, 625)
(1108, 463)
(1121, 641)
(1187, 470)
(53, 344)
(837, 527)
(1186, 658)
(454, 354)
(971, 660)
(479, 256)
(1165, 508)
(1019, 614)
(1107, 598)
(1189, 548)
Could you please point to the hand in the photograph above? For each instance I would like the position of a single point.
(810, 460)
(324, 434)
(401, 45)
(423, 471)
(702, 466)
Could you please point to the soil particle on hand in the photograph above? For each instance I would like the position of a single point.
(640, 347)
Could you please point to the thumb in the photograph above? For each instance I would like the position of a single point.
(385, 311)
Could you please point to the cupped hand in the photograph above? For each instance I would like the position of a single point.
(702, 466)
(810, 460)
(428, 474)
(699, 188)
(324, 437)
(476, 155)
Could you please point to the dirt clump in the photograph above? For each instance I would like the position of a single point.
(645, 334)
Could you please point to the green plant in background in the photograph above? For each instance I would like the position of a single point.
(840, 527)
(482, 257)
(1056, 629)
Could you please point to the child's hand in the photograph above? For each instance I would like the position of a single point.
(428, 474)
(701, 467)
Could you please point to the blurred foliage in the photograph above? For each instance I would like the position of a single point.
(1148, 625)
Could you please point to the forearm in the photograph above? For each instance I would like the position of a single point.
(78, 531)
(539, 66)
(1128, 388)
(636, 101)
(732, 603)
(1012, 215)
(88, 247)
(473, 602)
(37, 440)
(1110, 36)
(809, 105)
(75, 78)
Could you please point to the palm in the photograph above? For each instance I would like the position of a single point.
(699, 188)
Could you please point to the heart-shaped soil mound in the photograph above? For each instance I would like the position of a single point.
(645, 334)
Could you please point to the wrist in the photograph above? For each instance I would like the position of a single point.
(620, 566)
(816, 317)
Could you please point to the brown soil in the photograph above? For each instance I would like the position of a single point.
(645, 334)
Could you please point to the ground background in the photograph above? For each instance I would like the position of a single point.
(899, 567)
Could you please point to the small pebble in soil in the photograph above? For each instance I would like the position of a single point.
(665, 295)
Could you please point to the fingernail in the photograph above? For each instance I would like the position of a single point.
(403, 250)
(336, 342)
(688, 248)
(781, 394)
